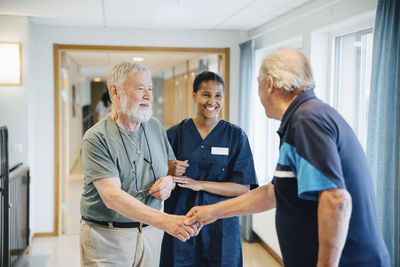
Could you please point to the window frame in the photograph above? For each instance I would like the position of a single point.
(359, 124)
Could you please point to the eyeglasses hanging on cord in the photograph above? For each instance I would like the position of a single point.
(133, 163)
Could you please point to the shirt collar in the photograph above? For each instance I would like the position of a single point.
(303, 97)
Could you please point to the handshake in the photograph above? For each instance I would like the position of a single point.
(179, 226)
(184, 227)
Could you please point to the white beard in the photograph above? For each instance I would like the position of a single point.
(136, 113)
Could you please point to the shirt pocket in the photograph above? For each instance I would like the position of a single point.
(212, 169)
(198, 169)
(218, 172)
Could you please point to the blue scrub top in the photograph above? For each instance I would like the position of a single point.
(223, 156)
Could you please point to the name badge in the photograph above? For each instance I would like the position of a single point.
(220, 150)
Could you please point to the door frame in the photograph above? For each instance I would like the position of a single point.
(59, 48)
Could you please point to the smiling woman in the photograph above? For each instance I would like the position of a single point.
(214, 163)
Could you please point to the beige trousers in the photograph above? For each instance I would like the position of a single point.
(102, 246)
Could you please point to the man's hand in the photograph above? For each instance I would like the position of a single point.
(201, 214)
(162, 188)
(175, 226)
(177, 167)
(254, 201)
(187, 182)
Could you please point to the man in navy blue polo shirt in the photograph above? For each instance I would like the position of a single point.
(322, 188)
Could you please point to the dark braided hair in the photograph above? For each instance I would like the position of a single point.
(207, 76)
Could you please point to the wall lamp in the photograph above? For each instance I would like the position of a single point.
(10, 64)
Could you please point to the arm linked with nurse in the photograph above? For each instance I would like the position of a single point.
(229, 189)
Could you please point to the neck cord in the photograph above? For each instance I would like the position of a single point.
(130, 139)
(133, 166)
(148, 147)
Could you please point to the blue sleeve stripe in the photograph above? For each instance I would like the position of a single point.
(284, 153)
(309, 179)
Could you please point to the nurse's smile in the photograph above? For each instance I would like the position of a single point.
(211, 108)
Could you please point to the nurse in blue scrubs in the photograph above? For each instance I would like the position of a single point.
(214, 163)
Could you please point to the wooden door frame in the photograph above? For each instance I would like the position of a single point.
(58, 48)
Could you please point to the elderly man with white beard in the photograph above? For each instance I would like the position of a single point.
(125, 162)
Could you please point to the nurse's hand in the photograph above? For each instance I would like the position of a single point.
(162, 188)
(177, 167)
(190, 183)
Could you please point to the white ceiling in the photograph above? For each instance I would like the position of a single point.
(147, 14)
(151, 14)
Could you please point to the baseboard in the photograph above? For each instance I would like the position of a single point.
(269, 249)
(50, 234)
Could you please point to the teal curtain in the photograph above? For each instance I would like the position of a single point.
(246, 85)
(383, 147)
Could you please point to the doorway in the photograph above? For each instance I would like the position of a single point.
(68, 105)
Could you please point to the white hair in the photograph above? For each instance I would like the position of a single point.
(118, 73)
(290, 69)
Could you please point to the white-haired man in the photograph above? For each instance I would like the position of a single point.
(125, 162)
(322, 188)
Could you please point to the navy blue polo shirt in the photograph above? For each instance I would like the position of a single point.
(319, 151)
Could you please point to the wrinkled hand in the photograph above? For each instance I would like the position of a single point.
(175, 226)
(177, 167)
(162, 188)
(187, 182)
(202, 215)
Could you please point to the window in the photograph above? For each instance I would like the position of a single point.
(265, 139)
(263, 136)
(265, 146)
(351, 79)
